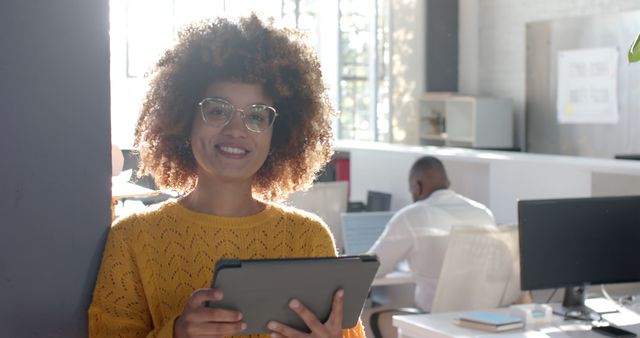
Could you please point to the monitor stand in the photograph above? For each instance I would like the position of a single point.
(573, 304)
(574, 297)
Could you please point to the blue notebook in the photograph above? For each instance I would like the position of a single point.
(488, 321)
(490, 318)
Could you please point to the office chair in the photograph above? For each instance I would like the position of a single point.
(131, 162)
(375, 320)
(480, 269)
(435, 248)
(327, 200)
(117, 160)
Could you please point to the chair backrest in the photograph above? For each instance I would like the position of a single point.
(327, 200)
(117, 160)
(480, 269)
(361, 229)
(132, 161)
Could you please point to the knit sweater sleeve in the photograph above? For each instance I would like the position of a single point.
(119, 307)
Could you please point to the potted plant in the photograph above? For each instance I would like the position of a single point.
(634, 51)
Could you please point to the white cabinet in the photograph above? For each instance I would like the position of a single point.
(466, 121)
(432, 119)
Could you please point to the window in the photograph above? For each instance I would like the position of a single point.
(354, 56)
(364, 70)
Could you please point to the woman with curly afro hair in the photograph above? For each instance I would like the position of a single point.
(236, 118)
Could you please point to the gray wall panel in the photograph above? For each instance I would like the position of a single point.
(55, 167)
(610, 184)
(544, 40)
(441, 46)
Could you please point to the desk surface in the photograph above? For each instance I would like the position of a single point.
(129, 190)
(441, 325)
(394, 278)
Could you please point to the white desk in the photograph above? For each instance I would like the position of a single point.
(122, 189)
(394, 278)
(441, 325)
(129, 190)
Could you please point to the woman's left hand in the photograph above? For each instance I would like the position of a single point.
(332, 328)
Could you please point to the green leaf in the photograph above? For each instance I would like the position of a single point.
(634, 51)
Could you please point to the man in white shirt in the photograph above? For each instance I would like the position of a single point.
(436, 208)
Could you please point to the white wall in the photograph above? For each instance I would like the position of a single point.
(493, 47)
(496, 179)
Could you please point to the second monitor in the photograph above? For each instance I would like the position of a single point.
(572, 243)
(378, 201)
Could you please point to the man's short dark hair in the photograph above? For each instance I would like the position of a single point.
(427, 163)
(431, 170)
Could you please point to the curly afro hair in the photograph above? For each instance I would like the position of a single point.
(250, 51)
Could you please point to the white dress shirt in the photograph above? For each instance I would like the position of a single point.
(405, 237)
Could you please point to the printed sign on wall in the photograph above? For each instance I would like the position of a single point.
(588, 86)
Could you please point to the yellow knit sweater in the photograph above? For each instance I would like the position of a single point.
(153, 261)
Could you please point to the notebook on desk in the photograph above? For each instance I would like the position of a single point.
(362, 229)
(490, 322)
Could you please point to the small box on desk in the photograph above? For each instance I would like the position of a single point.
(532, 313)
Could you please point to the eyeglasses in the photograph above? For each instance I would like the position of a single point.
(217, 112)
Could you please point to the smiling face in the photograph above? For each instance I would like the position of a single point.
(231, 152)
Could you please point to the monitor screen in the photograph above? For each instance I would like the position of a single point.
(362, 229)
(579, 241)
(378, 201)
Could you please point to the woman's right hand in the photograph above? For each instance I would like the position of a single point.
(198, 320)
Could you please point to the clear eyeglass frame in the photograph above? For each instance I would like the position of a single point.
(219, 112)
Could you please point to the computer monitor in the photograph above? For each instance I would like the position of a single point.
(576, 242)
(362, 229)
(378, 201)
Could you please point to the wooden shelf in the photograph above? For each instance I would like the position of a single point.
(433, 137)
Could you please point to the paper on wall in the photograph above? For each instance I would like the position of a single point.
(587, 90)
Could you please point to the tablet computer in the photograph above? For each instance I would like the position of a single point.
(261, 289)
